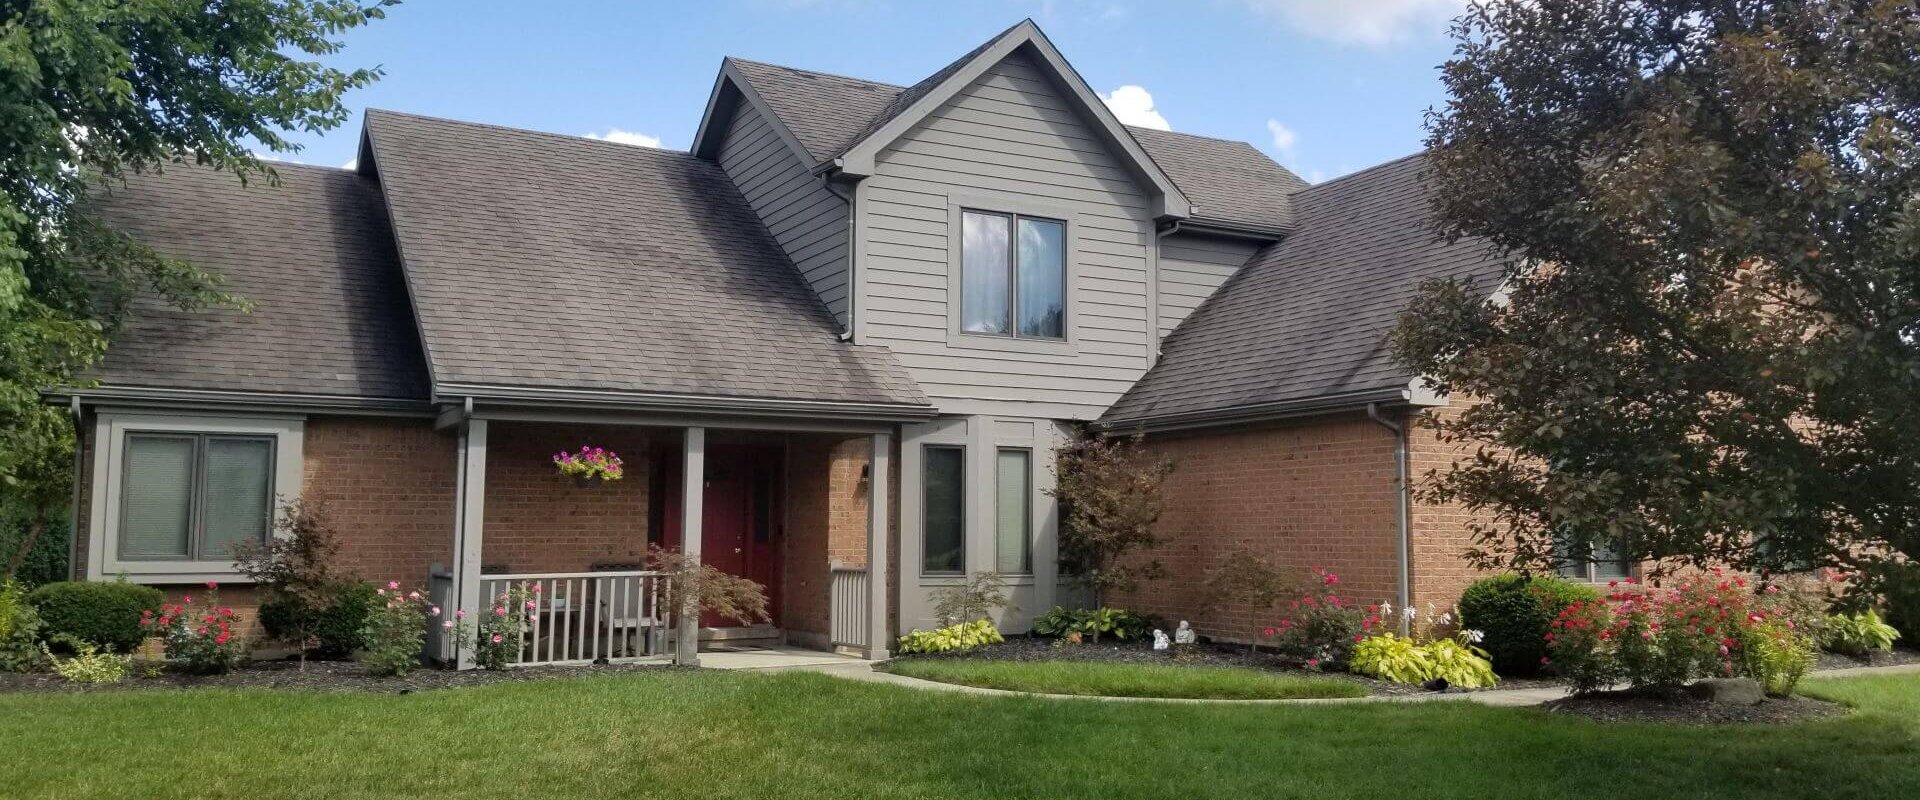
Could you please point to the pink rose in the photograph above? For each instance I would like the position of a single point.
(496, 638)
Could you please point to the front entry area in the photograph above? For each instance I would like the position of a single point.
(742, 517)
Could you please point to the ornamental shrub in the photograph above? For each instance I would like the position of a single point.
(1858, 634)
(1660, 640)
(395, 632)
(950, 639)
(90, 663)
(1319, 627)
(333, 630)
(198, 635)
(1514, 612)
(1903, 608)
(103, 613)
(20, 647)
(978, 598)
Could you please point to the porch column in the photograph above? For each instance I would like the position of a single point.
(470, 494)
(878, 636)
(693, 483)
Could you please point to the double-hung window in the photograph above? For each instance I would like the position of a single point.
(1013, 275)
(1599, 564)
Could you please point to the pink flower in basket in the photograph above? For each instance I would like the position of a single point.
(590, 463)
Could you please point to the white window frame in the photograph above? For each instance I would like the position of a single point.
(111, 429)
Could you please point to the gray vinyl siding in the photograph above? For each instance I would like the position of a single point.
(808, 221)
(1013, 138)
(1191, 267)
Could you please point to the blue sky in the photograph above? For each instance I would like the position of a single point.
(1324, 86)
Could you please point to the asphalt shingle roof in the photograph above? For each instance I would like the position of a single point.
(1230, 182)
(314, 256)
(550, 261)
(1309, 317)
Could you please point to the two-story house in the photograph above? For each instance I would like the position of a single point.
(863, 315)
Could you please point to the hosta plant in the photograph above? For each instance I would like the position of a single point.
(1414, 659)
(1858, 634)
(1092, 624)
(953, 638)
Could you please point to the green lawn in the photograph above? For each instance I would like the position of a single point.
(1124, 680)
(729, 735)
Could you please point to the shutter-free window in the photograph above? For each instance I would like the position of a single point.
(1013, 275)
(194, 496)
(1013, 504)
(943, 526)
(985, 288)
(157, 496)
(238, 480)
(1042, 291)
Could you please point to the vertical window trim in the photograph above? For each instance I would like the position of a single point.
(925, 510)
(1026, 519)
(196, 491)
(1013, 219)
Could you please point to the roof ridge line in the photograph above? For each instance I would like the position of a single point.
(663, 151)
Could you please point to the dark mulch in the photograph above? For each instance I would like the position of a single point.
(1025, 648)
(1685, 710)
(319, 676)
(1895, 657)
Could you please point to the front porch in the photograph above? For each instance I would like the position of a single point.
(798, 508)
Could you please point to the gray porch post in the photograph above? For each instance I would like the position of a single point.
(469, 511)
(878, 637)
(693, 484)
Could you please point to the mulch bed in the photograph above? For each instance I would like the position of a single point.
(319, 676)
(1896, 657)
(1685, 710)
(1025, 648)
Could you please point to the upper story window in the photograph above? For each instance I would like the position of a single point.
(1013, 278)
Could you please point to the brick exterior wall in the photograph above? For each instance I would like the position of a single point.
(387, 488)
(540, 521)
(826, 522)
(1317, 493)
(1441, 535)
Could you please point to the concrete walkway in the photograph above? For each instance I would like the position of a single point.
(777, 658)
(858, 670)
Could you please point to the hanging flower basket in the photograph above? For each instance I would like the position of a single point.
(590, 465)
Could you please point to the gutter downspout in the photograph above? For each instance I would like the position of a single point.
(1400, 490)
(853, 260)
(79, 470)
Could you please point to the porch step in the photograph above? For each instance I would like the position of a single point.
(744, 634)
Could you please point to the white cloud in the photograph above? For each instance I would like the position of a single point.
(626, 137)
(1133, 105)
(1364, 22)
(1283, 138)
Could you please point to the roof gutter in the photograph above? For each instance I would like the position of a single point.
(1400, 491)
(219, 398)
(1232, 230)
(681, 403)
(1259, 412)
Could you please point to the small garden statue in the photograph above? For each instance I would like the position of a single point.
(1159, 639)
(1183, 634)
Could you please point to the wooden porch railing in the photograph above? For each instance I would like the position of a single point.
(586, 617)
(848, 611)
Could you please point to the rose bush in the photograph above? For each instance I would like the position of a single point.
(395, 631)
(1320, 627)
(1662, 639)
(198, 637)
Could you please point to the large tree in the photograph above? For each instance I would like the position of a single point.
(1705, 346)
(91, 90)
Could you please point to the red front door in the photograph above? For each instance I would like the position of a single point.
(739, 520)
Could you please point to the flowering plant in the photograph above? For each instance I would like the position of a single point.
(1662, 639)
(395, 630)
(1427, 653)
(200, 637)
(591, 463)
(496, 640)
(1320, 627)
